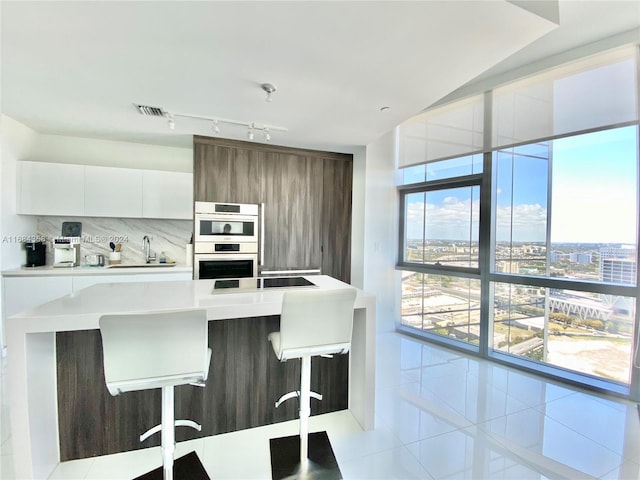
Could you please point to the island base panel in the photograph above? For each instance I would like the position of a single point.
(245, 380)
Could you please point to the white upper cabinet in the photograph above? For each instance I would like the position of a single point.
(50, 188)
(112, 192)
(46, 188)
(167, 194)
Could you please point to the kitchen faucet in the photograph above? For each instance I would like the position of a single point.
(146, 247)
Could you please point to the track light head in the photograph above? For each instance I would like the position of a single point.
(250, 133)
(171, 123)
(215, 128)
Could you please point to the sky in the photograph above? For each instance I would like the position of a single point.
(593, 195)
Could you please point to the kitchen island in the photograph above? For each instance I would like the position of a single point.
(38, 341)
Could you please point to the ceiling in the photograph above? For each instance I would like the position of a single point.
(76, 68)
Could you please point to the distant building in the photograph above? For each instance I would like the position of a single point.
(581, 257)
(618, 265)
(616, 270)
(558, 257)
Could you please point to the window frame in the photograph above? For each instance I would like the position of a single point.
(474, 180)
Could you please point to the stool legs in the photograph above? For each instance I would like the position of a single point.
(168, 432)
(305, 408)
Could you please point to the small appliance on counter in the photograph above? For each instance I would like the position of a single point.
(66, 251)
(36, 254)
(96, 260)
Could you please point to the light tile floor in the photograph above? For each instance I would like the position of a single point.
(439, 415)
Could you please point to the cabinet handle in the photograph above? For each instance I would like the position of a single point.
(261, 234)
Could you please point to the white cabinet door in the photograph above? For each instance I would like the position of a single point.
(167, 194)
(50, 188)
(84, 281)
(112, 192)
(91, 191)
(24, 293)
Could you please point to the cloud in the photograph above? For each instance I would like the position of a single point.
(457, 219)
(454, 219)
(527, 224)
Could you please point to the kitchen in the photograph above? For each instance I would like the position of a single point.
(363, 72)
(167, 234)
(304, 221)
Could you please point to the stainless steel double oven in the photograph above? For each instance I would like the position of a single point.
(226, 240)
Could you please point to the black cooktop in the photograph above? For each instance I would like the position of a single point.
(268, 282)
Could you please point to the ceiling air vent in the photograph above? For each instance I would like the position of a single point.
(150, 111)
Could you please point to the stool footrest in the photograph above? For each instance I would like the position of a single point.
(296, 393)
(177, 423)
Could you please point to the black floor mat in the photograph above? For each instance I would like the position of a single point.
(187, 467)
(285, 458)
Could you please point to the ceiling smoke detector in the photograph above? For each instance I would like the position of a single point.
(269, 88)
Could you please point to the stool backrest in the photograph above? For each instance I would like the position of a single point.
(316, 322)
(153, 350)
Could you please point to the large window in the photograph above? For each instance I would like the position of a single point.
(441, 226)
(524, 247)
(575, 330)
(442, 304)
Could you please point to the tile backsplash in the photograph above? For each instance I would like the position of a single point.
(168, 236)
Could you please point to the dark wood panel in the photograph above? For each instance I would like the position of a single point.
(268, 147)
(224, 174)
(211, 172)
(292, 192)
(336, 219)
(307, 197)
(245, 380)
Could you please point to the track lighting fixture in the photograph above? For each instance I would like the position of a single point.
(214, 122)
(269, 88)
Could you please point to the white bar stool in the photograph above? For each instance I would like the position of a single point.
(312, 323)
(157, 350)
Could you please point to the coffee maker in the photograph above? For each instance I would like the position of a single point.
(66, 251)
(36, 254)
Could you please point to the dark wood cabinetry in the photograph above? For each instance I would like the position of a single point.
(223, 172)
(307, 197)
(245, 380)
(336, 218)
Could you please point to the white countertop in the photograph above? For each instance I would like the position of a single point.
(123, 269)
(82, 310)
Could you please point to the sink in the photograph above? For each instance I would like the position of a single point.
(140, 265)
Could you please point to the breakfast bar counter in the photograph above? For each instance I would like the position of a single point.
(56, 383)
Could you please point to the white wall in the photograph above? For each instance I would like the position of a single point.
(358, 193)
(380, 229)
(90, 151)
(16, 143)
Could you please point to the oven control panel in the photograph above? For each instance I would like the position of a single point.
(225, 247)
